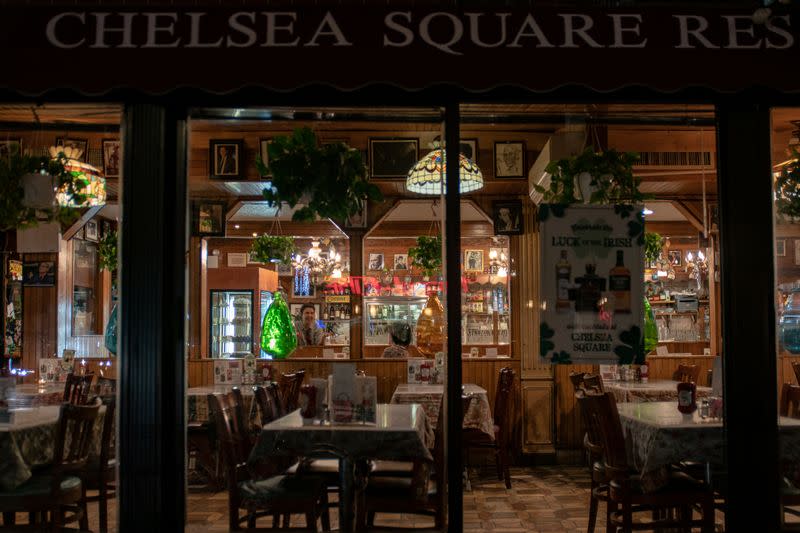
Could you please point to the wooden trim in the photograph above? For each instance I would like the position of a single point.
(78, 224)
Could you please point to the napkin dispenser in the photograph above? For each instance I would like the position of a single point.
(352, 399)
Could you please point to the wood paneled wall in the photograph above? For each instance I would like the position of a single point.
(39, 318)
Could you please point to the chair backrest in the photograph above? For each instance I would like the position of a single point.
(265, 404)
(77, 388)
(790, 400)
(104, 387)
(593, 382)
(503, 400)
(577, 380)
(601, 411)
(688, 373)
(77, 422)
(274, 392)
(796, 368)
(108, 447)
(233, 439)
(289, 385)
(592, 439)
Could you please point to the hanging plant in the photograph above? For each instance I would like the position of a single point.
(427, 255)
(14, 214)
(787, 188)
(107, 250)
(597, 177)
(272, 249)
(652, 247)
(330, 179)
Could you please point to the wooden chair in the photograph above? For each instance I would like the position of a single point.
(625, 493)
(55, 489)
(790, 400)
(77, 388)
(420, 490)
(592, 440)
(690, 373)
(100, 472)
(796, 368)
(593, 382)
(503, 417)
(275, 495)
(576, 378)
(289, 385)
(790, 491)
(105, 387)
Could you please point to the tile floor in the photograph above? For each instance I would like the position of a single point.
(541, 500)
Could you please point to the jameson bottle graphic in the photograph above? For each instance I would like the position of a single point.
(563, 270)
(590, 288)
(619, 283)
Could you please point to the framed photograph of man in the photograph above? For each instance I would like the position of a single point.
(208, 218)
(263, 150)
(92, 231)
(111, 158)
(39, 274)
(473, 260)
(225, 159)
(507, 217)
(509, 159)
(392, 158)
(375, 262)
(400, 261)
(675, 257)
(10, 146)
(80, 144)
(469, 148)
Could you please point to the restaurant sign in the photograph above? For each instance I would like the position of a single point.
(225, 48)
(591, 284)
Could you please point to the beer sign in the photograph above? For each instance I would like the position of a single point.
(591, 276)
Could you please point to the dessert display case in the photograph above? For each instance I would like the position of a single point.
(381, 311)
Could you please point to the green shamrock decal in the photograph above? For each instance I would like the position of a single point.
(623, 210)
(546, 209)
(632, 350)
(545, 335)
(561, 358)
(636, 228)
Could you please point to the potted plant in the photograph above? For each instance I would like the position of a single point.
(331, 179)
(107, 255)
(604, 177)
(272, 249)
(427, 255)
(652, 247)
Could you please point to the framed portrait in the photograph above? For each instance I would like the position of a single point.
(225, 159)
(284, 270)
(39, 274)
(469, 147)
(81, 144)
(507, 217)
(675, 257)
(92, 231)
(473, 260)
(400, 262)
(112, 157)
(208, 218)
(392, 158)
(509, 159)
(780, 247)
(263, 150)
(10, 146)
(375, 262)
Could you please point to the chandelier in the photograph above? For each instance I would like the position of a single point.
(428, 175)
(498, 263)
(318, 263)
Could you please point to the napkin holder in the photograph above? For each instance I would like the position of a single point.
(51, 369)
(419, 370)
(227, 372)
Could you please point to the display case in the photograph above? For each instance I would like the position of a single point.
(485, 314)
(85, 291)
(231, 323)
(381, 311)
(11, 317)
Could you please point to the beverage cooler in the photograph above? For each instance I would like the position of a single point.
(238, 300)
(11, 299)
(381, 311)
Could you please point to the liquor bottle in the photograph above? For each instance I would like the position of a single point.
(590, 288)
(338, 312)
(325, 312)
(619, 283)
(563, 270)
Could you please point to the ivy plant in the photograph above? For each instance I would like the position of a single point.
(612, 178)
(330, 179)
(107, 250)
(427, 254)
(652, 246)
(272, 249)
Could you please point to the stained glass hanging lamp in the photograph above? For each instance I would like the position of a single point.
(428, 175)
(91, 184)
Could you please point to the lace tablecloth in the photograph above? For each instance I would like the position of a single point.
(661, 390)
(478, 416)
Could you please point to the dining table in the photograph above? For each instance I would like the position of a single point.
(34, 394)
(27, 441)
(197, 410)
(654, 390)
(479, 412)
(401, 432)
(657, 435)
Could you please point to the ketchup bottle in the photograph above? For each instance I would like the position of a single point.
(687, 397)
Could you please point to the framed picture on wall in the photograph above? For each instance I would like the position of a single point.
(507, 217)
(400, 262)
(111, 158)
(39, 274)
(225, 159)
(675, 257)
(509, 159)
(780, 247)
(208, 218)
(392, 158)
(375, 262)
(473, 260)
(80, 144)
(263, 151)
(284, 270)
(92, 231)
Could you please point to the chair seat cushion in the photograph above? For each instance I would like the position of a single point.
(280, 488)
(40, 485)
(380, 467)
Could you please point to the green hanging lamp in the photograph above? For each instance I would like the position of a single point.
(650, 329)
(278, 336)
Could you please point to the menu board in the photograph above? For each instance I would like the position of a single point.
(591, 284)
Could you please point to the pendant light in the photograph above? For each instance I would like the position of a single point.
(428, 175)
(278, 335)
(93, 188)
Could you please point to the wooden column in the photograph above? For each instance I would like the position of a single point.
(748, 317)
(151, 446)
